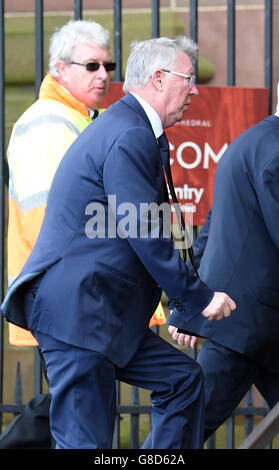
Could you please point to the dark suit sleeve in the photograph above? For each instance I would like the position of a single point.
(133, 173)
(268, 196)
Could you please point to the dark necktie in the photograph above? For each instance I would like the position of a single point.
(165, 156)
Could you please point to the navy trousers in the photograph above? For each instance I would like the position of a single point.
(82, 387)
(228, 376)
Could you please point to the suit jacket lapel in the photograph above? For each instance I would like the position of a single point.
(133, 103)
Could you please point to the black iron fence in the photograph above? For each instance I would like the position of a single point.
(135, 410)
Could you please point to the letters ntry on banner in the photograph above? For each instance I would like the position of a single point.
(214, 119)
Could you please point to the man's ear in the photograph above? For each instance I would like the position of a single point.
(158, 80)
(62, 70)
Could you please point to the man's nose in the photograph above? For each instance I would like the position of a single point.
(101, 72)
(194, 90)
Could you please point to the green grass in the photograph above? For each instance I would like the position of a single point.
(20, 41)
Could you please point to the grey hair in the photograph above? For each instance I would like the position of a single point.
(64, 40)
(150, 55)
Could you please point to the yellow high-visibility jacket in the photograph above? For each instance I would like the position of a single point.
(38, 142)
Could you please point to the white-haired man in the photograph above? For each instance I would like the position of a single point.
(92, 281)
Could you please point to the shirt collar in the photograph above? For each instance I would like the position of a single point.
(152, 115)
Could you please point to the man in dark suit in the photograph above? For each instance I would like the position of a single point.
(96, 273)
(239, 251)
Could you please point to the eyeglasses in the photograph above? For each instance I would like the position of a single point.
(191, 78)
(94, 66)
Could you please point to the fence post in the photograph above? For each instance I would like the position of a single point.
(268, 50)
(211, 441)
(249, 419)
(134, 438)
(39, 45)
(116, 432)
(39, 71)
(78, 9)
(194, 27)
(117, 18)
(231, 43)
(2, 185)
(155, 18)
(230, 432)
(18, 387)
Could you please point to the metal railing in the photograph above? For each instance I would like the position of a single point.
(135, 409)
(268, 428)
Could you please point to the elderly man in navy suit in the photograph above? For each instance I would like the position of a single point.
(96, 273)
(238, 249)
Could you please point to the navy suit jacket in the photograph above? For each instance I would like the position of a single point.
(100, 292)
(239, 246)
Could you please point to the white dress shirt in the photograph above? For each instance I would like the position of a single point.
(152, 115)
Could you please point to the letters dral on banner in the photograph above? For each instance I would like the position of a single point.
(214, 119)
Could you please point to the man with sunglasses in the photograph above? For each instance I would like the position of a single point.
(79, 75)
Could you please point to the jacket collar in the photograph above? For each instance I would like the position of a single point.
(133, 103)
(51, 90)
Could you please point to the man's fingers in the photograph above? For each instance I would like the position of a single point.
(221, 306)
(171, 329)
(215, 316)
(232, 304)
(193, 341)
(181, 338)
(173, 332)
(227, 311)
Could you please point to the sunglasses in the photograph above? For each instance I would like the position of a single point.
(94, 66)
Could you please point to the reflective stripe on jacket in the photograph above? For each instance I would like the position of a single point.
(38, 142)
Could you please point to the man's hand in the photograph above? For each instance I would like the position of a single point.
(181, 338)
(220, 306)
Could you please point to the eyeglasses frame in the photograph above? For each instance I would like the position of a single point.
(189, 77)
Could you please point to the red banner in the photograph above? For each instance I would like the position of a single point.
(214, 119)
